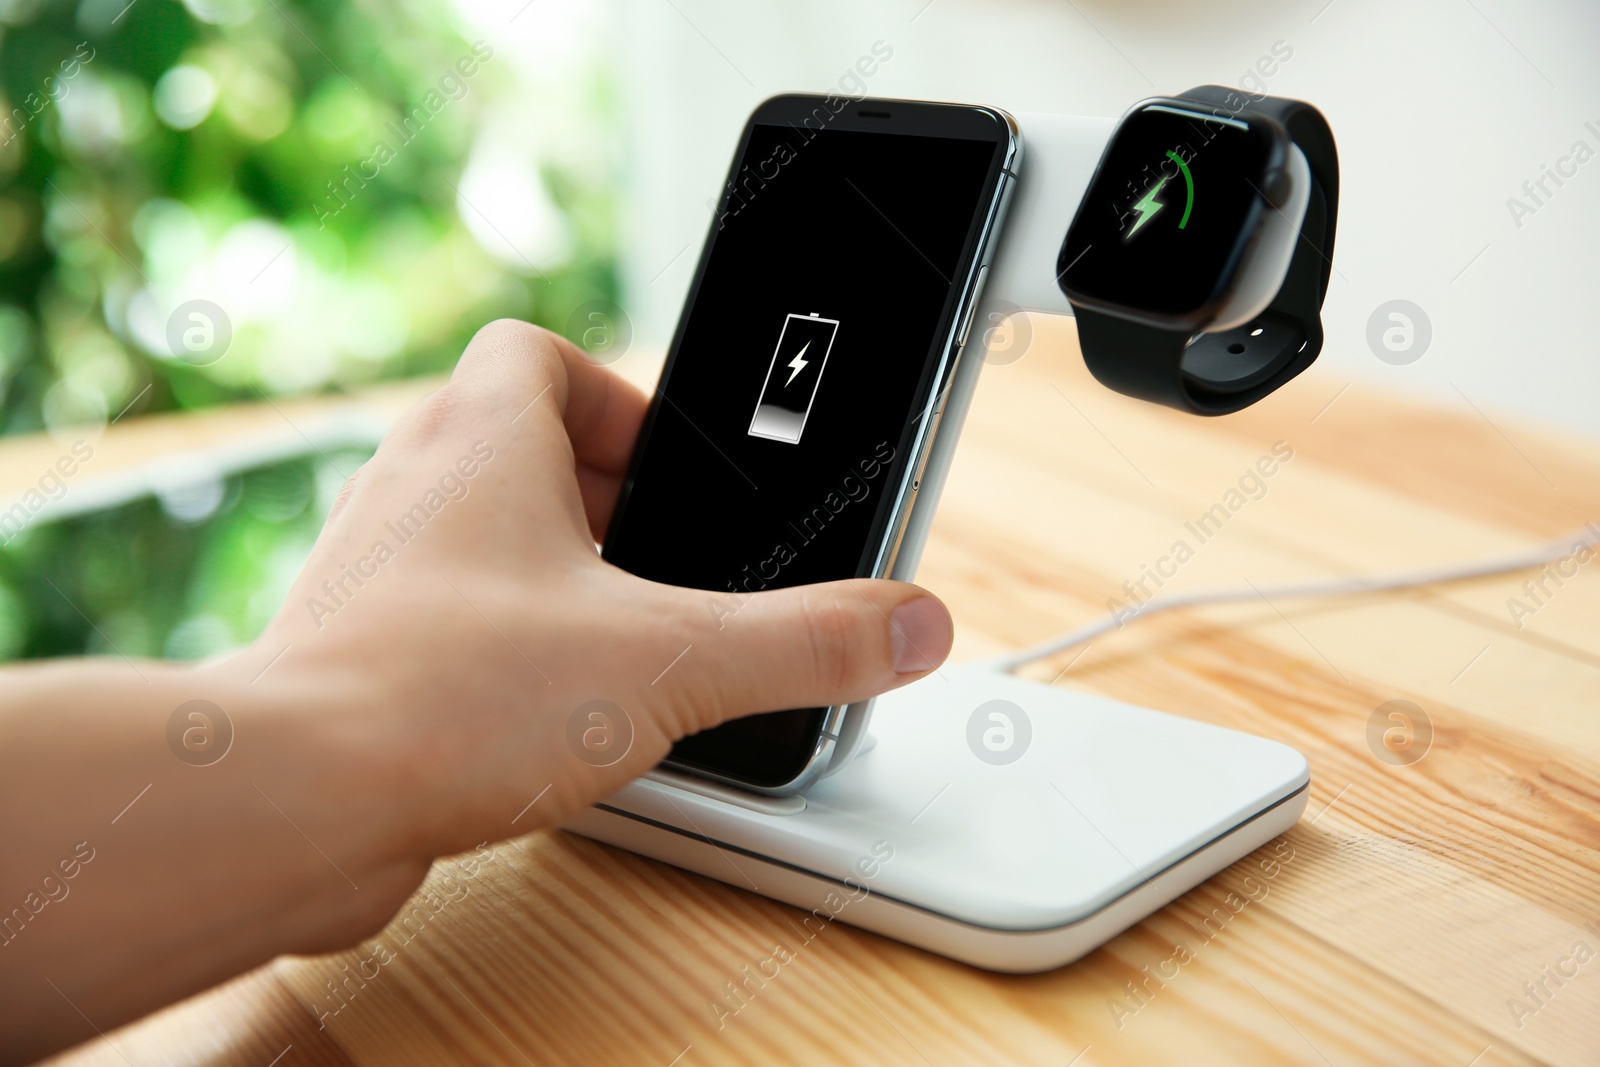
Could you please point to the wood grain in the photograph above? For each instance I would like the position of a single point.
(1418, 899)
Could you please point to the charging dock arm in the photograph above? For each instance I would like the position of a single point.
(1061, 154)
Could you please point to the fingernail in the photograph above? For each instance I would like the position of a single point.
(920, 634)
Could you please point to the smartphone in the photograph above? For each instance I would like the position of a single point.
(801, 392)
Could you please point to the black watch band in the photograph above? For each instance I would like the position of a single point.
(1218, 373)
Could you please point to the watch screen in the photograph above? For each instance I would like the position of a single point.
(1165, 217)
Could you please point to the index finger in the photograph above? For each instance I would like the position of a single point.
(516, 367)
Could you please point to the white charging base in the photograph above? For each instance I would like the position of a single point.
(1110, 812)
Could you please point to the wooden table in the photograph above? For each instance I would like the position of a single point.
(1420, 896)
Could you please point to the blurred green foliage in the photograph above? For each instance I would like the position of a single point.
(183, 575)
(347, 182)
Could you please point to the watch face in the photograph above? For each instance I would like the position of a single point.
(1168, 213)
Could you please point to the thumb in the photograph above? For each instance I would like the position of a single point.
(809, 646)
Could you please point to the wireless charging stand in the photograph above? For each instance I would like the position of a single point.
(1109, 812)
(1004, 823)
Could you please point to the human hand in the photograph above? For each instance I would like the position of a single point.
(478, 624)
(411, 699)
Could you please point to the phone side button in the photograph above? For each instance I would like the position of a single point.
(972, 306)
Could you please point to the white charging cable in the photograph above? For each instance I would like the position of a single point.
(1549, 552)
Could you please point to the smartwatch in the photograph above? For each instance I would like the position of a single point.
(1198, 259)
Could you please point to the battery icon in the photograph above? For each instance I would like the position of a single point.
(792, 378)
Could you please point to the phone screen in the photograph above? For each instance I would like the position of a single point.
(779, 434)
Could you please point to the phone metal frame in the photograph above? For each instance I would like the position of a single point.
(844, 726)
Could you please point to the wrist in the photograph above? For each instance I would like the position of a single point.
(316, 738)
(234, 813)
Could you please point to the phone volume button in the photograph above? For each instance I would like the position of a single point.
(972, 306)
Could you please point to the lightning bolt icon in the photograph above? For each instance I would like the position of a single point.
(1147, 207)
(798, 363)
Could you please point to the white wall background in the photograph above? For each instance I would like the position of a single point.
(1442, 110)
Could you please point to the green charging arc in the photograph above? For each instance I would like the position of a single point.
(1188, 182)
